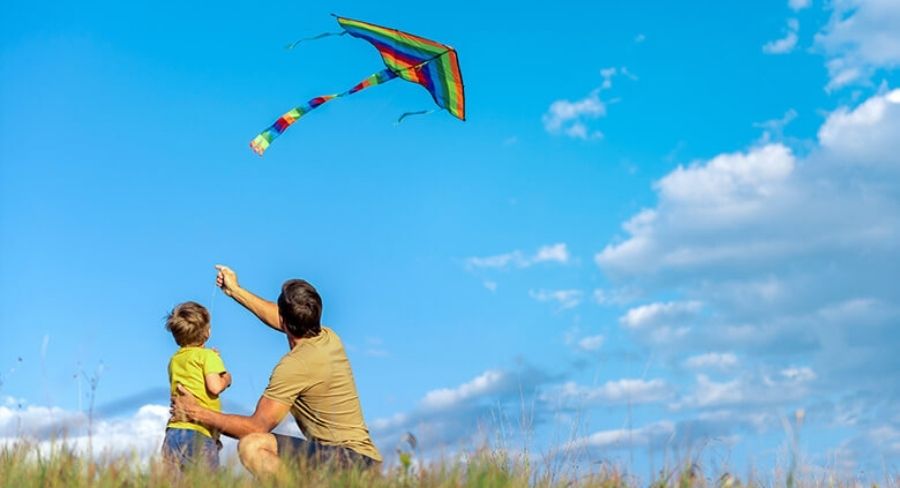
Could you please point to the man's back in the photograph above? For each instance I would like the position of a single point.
(315, 378)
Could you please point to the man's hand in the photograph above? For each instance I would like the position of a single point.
(265, 310)
(184, 407)
(226, 279)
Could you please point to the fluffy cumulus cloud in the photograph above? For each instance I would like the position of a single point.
(140, 434)
(861, 37)
(787, 262)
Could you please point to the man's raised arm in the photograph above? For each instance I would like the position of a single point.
(265, 310)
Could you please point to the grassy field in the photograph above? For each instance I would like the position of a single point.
(24, 465)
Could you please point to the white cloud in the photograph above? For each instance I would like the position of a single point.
(570, 118)
(451, 397)
(865, 135)
(638, 39)
(445, 416)
(622, 391)
(653, 435)
(555, 253)
(773, 129)
(798, 375)
(861, 37)
(792, 258)
(607, 74)
(797, 5)
(748, 390)
(787, 43)
(590, 343)
(710, 393)
(552, 253)
(729, 191)
(655, 314)
(566, 299)
(140, 434)
(616, 296)
(567, 117)
(716, 360)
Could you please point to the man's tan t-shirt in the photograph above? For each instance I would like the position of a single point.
(315, 379)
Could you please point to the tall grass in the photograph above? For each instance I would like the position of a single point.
(24, 465)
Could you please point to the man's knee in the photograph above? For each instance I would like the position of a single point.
(252, 446)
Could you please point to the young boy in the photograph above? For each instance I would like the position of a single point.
(202, 372)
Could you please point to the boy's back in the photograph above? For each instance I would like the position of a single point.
(189, 367)
(202, 372)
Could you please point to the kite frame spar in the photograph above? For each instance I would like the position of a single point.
(433, 65)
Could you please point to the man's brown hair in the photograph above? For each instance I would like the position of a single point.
(301, 308)
(189, 324)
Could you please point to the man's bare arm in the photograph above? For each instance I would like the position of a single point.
(265, 310)
(267, 416)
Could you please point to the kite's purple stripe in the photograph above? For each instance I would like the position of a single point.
(423, 61)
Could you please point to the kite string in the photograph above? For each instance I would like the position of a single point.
(212, 299)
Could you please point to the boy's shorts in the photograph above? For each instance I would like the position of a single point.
(186, 447)
(314, 453)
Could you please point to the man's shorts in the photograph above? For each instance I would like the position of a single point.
(314, 453)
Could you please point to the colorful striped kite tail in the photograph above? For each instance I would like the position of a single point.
(261, 142)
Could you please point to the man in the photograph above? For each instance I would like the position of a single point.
(313, 382)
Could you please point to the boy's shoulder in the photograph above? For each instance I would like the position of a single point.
(194, 352)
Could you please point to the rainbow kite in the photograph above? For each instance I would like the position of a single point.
(412, 58)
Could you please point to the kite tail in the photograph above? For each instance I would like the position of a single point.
(410, 114)
(313, 38)
(260, 143)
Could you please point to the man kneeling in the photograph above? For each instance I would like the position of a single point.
(313, 382)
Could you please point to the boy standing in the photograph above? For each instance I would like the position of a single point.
(201, 371)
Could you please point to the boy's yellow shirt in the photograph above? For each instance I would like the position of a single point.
(188, 367)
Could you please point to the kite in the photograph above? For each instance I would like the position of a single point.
(415, 59)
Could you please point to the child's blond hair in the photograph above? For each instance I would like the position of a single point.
(189, 324)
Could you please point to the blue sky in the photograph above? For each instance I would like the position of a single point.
(685, 213)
